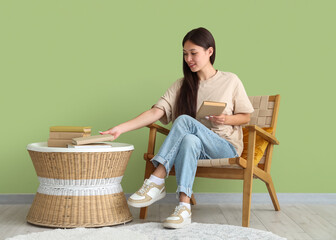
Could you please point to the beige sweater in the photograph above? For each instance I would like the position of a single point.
(222, 87)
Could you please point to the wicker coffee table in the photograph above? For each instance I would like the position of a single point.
(79, 187)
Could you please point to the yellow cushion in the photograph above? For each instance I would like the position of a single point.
(261, 145)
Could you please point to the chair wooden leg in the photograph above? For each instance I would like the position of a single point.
(247, 194)
(148, 171)
(248, 178)
(193, 200)
(143, 212)
(272, 193)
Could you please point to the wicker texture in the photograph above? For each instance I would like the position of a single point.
(79, 211)
(90, 177)
(262, 116)
(90, 165)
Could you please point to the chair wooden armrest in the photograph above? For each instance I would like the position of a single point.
(262, 133)
(160, 129)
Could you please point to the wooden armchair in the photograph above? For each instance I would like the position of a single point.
(265, 116)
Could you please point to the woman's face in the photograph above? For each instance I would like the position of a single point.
(196, 56)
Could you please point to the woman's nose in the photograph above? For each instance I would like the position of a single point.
(188, 58)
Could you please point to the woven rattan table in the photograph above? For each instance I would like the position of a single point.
(79, 187)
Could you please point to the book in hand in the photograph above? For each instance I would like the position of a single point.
(210, 108)
(90, 145)
(92, 139)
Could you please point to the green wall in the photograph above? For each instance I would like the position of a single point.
(100, 63)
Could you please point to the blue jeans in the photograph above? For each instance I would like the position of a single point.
(188, 141)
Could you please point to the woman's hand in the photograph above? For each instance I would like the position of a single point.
(115, 132)
(219, 119)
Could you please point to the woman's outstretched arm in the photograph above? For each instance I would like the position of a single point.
(144, 119)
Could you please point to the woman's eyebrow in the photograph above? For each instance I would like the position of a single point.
(189, 50)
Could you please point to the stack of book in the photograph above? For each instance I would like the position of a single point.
(61, 136)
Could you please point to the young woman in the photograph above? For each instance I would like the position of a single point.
(189, 139)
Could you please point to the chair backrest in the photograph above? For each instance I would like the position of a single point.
(266, 109)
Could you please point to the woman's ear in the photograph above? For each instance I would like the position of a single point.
(210, 51)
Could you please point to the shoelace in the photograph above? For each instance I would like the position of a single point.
(177, 209)
(144, 187)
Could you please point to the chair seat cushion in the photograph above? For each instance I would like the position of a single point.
(261, 145)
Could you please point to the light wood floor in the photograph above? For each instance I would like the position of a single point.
(294, 221)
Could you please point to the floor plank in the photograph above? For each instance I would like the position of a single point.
(233, 214)
(311, 222)
(294, 221)
(206, 213)
(279, 223)
(13, 221)
(327, 212)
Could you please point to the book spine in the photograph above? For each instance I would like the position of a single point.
(67, 135)
(70, 129)
(58, 142)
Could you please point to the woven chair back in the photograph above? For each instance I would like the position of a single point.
(264, 111)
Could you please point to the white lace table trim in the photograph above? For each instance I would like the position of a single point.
(82, 187)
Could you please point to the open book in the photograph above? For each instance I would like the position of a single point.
(210, 108)
(91, 145)
(92, 139)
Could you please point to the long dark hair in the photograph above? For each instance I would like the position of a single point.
(186, 101)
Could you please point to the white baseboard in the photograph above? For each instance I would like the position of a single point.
(16, 198)
(211, 198)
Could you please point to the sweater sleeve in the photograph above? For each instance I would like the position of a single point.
(167, 102)
(241, 101)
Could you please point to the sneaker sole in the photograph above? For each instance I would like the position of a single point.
(146, 204)
(186, 221)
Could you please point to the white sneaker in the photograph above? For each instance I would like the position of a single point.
(147, 194)
(180, 218)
